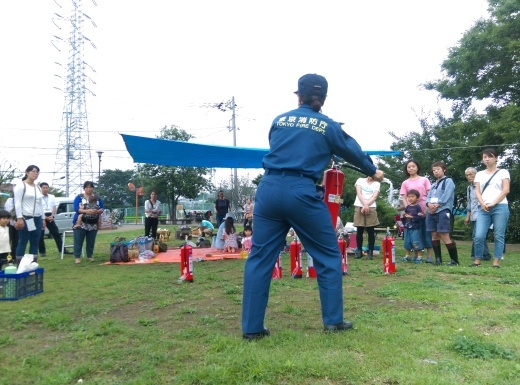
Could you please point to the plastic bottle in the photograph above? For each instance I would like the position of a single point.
(10, 269)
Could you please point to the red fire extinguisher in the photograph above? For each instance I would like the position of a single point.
(186, 263)
(343, 249)
(333, 184)
(277, 271)
(311, 271)
(296, 263)
(388, 251)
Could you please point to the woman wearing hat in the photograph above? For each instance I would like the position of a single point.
(302, 142)
(86, 230)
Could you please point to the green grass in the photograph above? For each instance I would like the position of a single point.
(136, 324)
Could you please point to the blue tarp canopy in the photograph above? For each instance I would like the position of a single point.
(177, 153)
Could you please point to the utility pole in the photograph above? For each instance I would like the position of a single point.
(224, 107)
(99, 171)
(234, 128)
(73, 156)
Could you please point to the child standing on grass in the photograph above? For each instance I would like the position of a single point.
(230, 236)
(439, 204)
(412, 236)
(5, 246)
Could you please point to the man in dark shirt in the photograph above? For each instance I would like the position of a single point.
(222, 206)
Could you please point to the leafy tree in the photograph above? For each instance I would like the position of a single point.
(256, 181)
(484, 65)
(56, 192)
(114, 188)
(174, 182)
(7, 172)
(485, 62)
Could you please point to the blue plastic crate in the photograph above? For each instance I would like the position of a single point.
(17, 286)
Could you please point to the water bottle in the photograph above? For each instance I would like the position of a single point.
(10, 269)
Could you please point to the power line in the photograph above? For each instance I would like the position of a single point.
(108, 131)
(462, 147)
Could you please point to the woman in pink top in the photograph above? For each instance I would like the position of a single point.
(421, 184)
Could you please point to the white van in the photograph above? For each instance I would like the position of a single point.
(64, 214)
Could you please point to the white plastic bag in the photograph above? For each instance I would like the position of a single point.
(27, 264)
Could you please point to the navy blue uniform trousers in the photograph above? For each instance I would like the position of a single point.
(282, 202)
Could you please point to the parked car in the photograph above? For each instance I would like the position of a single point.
(64, 214)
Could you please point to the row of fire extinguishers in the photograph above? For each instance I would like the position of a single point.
(333, 186)
(295, 256)
(296, 253)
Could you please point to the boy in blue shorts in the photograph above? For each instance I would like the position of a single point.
(439, 204)
(412, 227)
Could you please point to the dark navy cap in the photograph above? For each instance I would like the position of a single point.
(312, 85)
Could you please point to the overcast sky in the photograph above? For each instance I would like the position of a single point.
(159, 62)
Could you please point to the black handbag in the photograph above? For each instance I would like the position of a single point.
(119, 251)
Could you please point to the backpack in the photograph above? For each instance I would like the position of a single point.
(119, 250)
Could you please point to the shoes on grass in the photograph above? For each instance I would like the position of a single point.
(345, 325)
(256, 336)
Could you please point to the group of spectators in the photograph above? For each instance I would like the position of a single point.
(428, 209)
(227, 238)
(31, 210)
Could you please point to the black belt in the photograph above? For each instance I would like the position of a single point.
(270, 171)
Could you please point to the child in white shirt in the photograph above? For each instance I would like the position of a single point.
(5, 245)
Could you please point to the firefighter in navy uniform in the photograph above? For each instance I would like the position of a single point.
(302, 142)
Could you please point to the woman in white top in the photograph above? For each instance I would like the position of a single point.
(29, 213)
(365, 214)
(152, 212)
(492, 186)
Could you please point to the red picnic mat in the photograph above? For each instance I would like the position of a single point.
(174, 256)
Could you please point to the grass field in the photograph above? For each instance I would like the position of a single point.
(116, 324)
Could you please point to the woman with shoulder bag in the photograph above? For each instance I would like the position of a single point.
(29, 213)
(492, 186)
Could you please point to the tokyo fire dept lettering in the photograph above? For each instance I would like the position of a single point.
(303, 122)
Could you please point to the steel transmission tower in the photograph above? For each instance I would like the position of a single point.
(73, 156)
